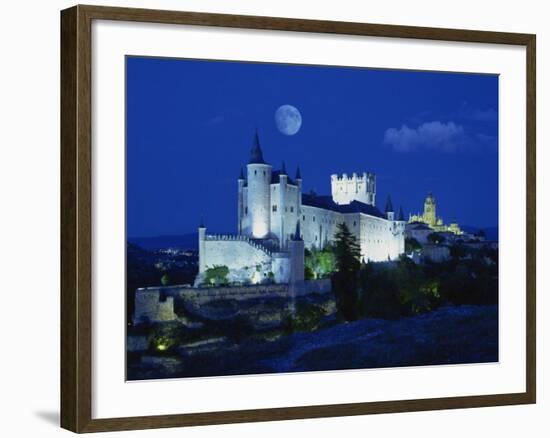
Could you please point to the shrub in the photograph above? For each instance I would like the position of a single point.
(216, 275)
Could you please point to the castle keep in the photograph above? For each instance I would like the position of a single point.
(276, 221)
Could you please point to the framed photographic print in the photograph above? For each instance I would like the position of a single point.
(268, 218)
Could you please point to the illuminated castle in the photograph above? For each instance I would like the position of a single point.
(429, 217)
(276, 221)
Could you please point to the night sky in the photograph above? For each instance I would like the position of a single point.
(190, 127)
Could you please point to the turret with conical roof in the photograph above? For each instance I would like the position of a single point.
(256, 211)
(401, 216)
(256, 155)
(389, 209)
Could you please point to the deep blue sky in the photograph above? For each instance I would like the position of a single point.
(190, 126)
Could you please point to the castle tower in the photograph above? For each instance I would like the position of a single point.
(241, 200)
(430, 216)
(202, 247)
(390, 214)
(258, 194)
(298, 179)
(283, 181)
(347, 189)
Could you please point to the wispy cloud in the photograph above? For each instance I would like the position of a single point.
(488, 115)
(477, 114)
(435, 135)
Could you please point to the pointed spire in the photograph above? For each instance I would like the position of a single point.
(283, 169)
(297, 234)
(401, 216)
(298, 174)
(256, 156)
(201, 225)
(241, 176)
(389, 206)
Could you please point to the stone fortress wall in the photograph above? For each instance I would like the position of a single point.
(156, 304)
(247, 259)
(319, 226)
(379, 238)
(151, 306)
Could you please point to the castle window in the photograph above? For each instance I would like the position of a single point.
(313, 218)
(246, 210)
(354, 223)
(274, 208)
(292, 209)
(255, 172)
(304, 218)
(264, 172)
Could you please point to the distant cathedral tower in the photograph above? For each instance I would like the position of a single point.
(430, 216)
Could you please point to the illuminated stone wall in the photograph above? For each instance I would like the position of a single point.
(235, 252)
(379, 238)
(318, 226)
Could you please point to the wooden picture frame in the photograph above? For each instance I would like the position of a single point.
(76, 218)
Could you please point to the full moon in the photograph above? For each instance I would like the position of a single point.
(288, 119)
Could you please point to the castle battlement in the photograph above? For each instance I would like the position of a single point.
(238, 237)
(346, 189)
(354, 177)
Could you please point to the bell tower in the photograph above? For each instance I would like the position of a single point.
(430, 216)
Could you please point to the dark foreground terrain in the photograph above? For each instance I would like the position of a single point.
(449, 335)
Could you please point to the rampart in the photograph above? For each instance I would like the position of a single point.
(156, 304)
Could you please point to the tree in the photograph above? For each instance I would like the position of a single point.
(347, 254)
(346, 250)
